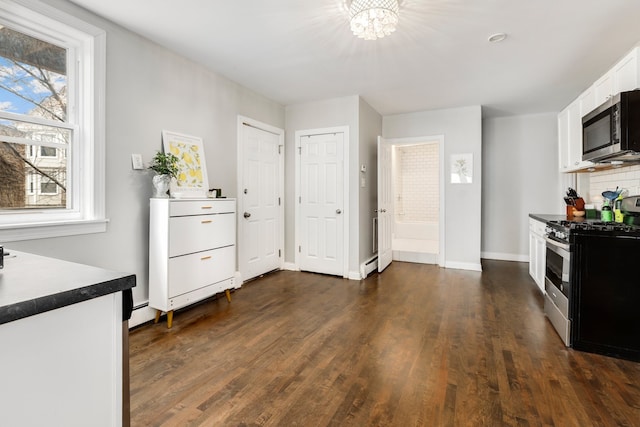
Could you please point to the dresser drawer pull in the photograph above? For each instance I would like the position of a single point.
(204, 258)
(206, 207)
(206, 221)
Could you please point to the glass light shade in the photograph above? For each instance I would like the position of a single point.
(373, 19)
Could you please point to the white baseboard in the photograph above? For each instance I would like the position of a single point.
(463, 266)
(505, 257)
(369, 266)
(354, 275)
(142, 315)
(415, 257)
(290, 266)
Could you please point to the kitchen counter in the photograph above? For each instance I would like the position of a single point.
(32, 284)
(64, 334)
(546, 218)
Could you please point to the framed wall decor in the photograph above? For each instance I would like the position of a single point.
(462, 168)
(192, 179)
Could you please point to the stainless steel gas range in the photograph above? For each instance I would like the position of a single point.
(592, 291)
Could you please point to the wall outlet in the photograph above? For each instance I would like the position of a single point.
(136, 161)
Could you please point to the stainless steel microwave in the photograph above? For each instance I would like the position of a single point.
(611, 132)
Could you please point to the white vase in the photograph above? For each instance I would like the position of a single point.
(161, 185)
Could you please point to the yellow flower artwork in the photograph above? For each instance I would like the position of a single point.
(189, 164)
(192, 176)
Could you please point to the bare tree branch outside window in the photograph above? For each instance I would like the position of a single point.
(33, 152)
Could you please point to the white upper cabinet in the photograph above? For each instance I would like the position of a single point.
(603, 89)
(563, 140)
(587, 101)
(622, 77)
(575, 137)
(625, 73)
(570, 136)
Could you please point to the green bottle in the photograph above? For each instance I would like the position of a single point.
(617, 213)
(606, 215)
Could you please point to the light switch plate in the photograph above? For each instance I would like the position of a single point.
(136, 161)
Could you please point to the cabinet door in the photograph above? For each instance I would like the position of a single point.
(603, 88)
(189, 234)
(541, 253)
(190, 272)
(575, 137)
(587, 102)
(563, 140)
(533, 256)
(625, 73)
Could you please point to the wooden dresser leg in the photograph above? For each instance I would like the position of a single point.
(158, 313)
(169, 319)
(228, 294)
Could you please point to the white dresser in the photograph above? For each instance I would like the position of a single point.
(192, 251)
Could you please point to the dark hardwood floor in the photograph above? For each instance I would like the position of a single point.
(414, 346)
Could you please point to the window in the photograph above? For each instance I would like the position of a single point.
(48, 186)
(51, 123)
(48, 152)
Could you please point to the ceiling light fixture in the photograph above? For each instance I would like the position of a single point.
(373, 19)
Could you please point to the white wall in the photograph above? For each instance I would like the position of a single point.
(150, 89)
(520, 176)
(370, 124)
(462, 130)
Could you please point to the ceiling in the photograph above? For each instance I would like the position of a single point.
(296, 51)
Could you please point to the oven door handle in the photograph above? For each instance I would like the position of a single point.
(557, 244)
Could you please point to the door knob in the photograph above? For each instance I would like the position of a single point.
(247, 214)
(338, 211)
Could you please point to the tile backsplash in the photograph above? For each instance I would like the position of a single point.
(417, 183)
(627, 178)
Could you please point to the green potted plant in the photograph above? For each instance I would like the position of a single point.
(165, 165)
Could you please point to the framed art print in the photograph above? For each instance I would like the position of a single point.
(462, 168)
(191, 181)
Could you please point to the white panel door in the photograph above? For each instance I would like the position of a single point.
(261, 226)
(321, 247)
(385, 204)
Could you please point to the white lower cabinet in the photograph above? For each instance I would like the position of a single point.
(537, 252)
(192, 252)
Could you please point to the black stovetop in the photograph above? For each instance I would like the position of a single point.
(589, 225)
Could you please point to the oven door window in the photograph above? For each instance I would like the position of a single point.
(557, 270)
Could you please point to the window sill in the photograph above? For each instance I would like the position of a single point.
(17, 232)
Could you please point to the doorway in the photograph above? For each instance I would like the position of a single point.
(260, 198)
(416, 230)
(321, 193)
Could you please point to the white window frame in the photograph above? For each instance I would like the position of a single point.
(86, 106)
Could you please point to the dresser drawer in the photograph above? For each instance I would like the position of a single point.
(190, 272)
(201, 207)
(189, 234)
